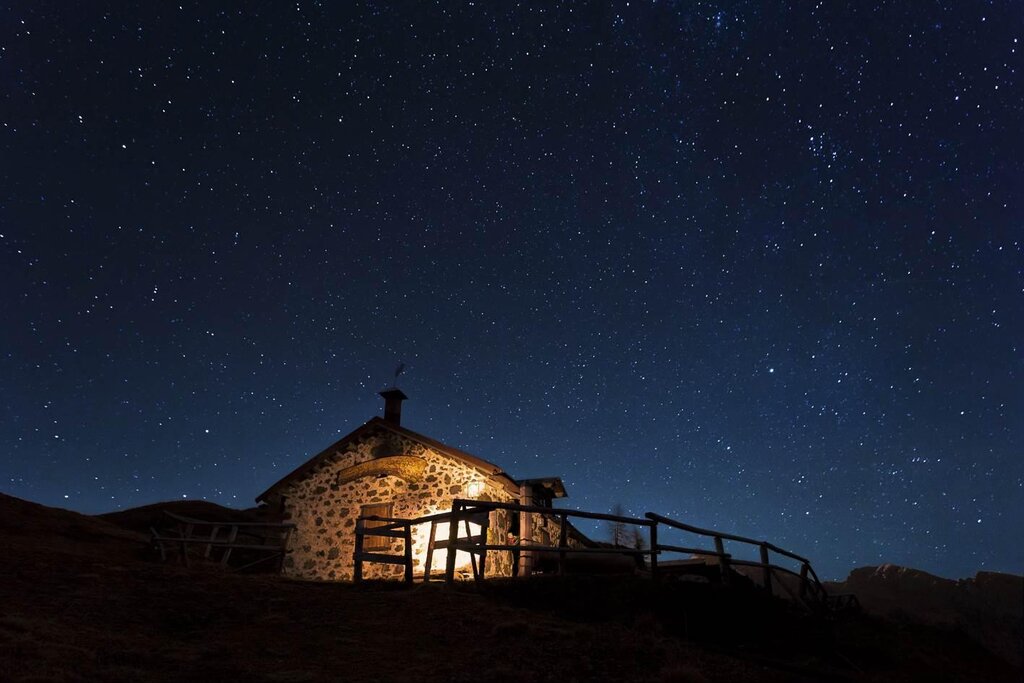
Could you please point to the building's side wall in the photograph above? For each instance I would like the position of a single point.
(546, 529)
(324, 509)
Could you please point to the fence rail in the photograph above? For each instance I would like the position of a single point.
(262, 542)
(809, 590)
(810, 587)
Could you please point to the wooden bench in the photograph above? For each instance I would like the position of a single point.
(185, 535)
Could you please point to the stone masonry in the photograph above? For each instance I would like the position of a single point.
(324, 505)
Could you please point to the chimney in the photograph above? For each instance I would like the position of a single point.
(393, 405)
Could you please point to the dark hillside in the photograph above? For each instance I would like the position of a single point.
(80, 603)
(988, 607)
(28, 529)
(142, 518)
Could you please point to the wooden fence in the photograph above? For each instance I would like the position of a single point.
(260, 542)
(809, 590)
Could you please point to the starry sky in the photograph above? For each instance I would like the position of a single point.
(756, 266)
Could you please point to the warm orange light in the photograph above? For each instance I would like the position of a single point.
(440, 558)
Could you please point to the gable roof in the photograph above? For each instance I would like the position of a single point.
(499, 476)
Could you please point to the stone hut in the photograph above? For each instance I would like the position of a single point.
(385, 469)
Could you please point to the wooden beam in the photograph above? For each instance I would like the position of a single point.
(472, 551)
(710, 532)
(485, 528)
(214, 530)
(516, 507)
(553, 549)
(692, 551)
(377, 531)
(408, 554)
(654, 551)
(357, 554)
(766, 568)
(218, 544)
(199, 522)
(563, 542)
(158, 540)
(525, 530)
(186, 534)
(384, 559)
(723, 559)
(462, 542)
(232, 538)
(453, 535)
(430, 551)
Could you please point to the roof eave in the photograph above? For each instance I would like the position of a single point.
(494, 472)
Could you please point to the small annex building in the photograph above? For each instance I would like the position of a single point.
(384, 469)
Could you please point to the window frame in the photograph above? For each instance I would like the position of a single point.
(376, 542)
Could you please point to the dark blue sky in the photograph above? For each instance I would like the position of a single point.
(755, 266)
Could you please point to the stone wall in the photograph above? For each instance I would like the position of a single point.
(326, 502)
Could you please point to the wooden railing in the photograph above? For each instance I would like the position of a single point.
(476, 511)
(393, 527)
(463, 514)
(263, 542)
(809, 592)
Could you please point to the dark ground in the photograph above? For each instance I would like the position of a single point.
(82, 602)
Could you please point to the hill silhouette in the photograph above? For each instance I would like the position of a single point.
(989, 607)
(142, 519)
(84, 601)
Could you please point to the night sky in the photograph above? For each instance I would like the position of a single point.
(758, 267)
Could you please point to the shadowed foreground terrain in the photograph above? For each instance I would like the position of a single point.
(83, 602)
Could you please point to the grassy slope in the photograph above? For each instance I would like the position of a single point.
(81, 603)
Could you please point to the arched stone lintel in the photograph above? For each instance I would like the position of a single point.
(406, 467)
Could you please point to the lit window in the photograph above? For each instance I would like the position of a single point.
(474, 489)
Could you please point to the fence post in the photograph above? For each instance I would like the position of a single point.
(213, 537)
(430, 552)
(184, 546)
(766, 568)
(562, 544)
(654, 551)
(408, 553)
(723, 561)
(525, 557)
(453, 536)
(232, 537)
(515, 560)
(357, 553)
(469, 545)
(485, 531)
